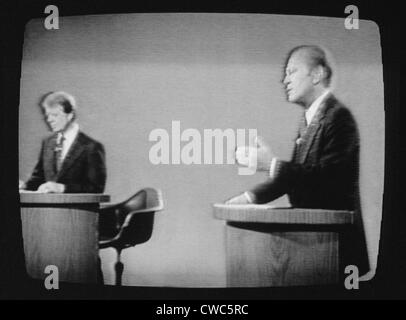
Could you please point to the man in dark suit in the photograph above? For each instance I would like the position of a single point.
(69, 161)
(323, 171)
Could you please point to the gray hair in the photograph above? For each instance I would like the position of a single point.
(316, 56)
(60, 98)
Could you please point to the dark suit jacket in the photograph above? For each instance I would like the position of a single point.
(83, 169)
(324, 169)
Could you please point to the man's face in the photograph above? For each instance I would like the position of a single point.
(56, 118)
(298, 80)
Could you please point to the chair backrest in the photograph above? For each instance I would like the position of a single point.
(138, 224)
(147, 198)
(135, 202)
(154, 199)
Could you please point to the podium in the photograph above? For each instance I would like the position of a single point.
(61, 230)
(270, 247)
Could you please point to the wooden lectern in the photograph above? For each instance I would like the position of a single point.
(268, 247)
(61, 230)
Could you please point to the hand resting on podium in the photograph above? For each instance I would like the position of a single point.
(244, 198)
(240, 199)
(21, 185)
(51, 187)
(47, 187)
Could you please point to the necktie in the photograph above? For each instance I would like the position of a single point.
(58, 151)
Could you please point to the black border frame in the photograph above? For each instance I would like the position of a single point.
(390, 279)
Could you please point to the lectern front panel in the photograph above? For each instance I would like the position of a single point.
(61, 230)
(63, 237)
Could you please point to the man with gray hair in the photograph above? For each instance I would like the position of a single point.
(323, 171)
(70, 161)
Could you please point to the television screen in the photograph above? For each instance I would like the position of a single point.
(167, 98)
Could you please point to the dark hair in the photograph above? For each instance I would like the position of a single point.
(316, 57)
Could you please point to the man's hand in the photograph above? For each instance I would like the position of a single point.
(240, 199)
(264, 155)
(51, 187)
(21, 185)
(258, 157)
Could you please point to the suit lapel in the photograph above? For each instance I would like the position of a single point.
(308, 140)
(313, 131)
(74, 152)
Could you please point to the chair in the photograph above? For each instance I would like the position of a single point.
(128, 223)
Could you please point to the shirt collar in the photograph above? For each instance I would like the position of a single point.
(71, 132)
(314, 107)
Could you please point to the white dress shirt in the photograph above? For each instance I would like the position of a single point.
(314, 107)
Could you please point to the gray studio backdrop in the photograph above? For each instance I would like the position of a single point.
(134, 73)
